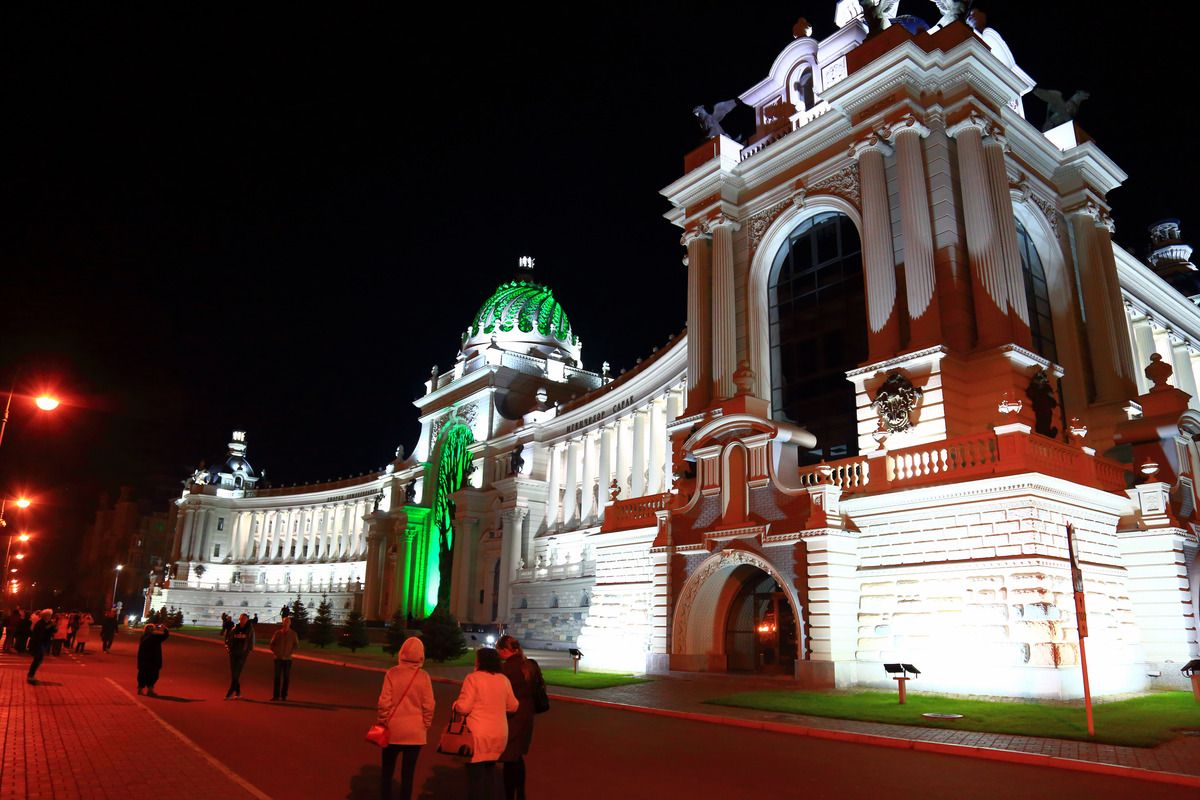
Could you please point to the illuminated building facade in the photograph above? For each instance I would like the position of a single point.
(913, 356)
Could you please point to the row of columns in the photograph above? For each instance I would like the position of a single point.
(633, 449)
(331, 533)
(1149, 338)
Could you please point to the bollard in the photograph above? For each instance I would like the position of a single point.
(900, 683)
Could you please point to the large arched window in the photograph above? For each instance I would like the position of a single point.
(1037, 296)
(818, 331)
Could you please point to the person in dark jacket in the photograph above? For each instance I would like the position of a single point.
(39, 642)
(524, 674)
(24, 629)
(283, 643)
(149, 657)
(239, 641)
(10, 628)
(108, 629)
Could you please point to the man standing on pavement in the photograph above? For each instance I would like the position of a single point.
(108, 629)
(239, 641)
(11, 622)
(39, 642)
(283, 642)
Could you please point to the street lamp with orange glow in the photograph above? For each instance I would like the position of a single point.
(116, 576)
(44, 402)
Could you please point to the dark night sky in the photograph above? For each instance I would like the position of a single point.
(280, 222)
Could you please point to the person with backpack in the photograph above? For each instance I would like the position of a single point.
(530, 690)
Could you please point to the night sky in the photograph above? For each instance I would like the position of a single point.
(280, 220)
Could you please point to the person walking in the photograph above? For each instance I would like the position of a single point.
(83, 634)
(525, 675)
(149, 657)
(108, 629)
(406, 707)
(72, 627)
(11, 623)
(39, 642)
(283, 642)
(239, 641)
(24, 629)
(62, 627)
(486, 698)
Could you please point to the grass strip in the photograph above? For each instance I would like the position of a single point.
(1143, 721)
(589, 680)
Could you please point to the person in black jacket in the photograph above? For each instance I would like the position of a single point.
(524, 674)
(39, 642)
(239, 641)
(108, 629)
(149, 657)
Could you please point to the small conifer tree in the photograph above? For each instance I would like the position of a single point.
(299, 618)
(321, 631)
(354, 633)
(443, 637)
(395, 632)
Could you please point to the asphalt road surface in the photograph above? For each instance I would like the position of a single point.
(313, 747)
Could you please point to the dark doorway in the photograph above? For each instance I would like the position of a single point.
(760, 629)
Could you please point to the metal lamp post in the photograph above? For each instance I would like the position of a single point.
(116, 577)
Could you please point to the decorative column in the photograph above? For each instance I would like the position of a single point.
(606, 466)
(699, 322)
(1181, 360)
(588, 509)
(513, 523)
(925, 327)
(624, 445)
(724, 333)
(994, 148)
(674, 409)
(1116, 304)
(1143, 342)
(570, 509)
(466, 542)
(554, 471)
(186, 522)
(879, 262)
(658, 438)
(1113, 380)
(984, 246)
(638, 482)
(264, 540)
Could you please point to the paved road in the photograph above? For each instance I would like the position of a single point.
(312, 747)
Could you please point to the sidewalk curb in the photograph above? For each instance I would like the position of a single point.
(875, 740)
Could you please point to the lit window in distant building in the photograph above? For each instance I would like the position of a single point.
(216, 551)
(818, 330)
(220, 523)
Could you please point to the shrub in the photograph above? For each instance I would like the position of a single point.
(354, 634)
(443, 637)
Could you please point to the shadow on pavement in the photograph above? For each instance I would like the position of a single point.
(41, 682)
(446, 781)
(309, 705)
(173, 699)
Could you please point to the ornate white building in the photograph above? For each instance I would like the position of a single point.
(914, 356)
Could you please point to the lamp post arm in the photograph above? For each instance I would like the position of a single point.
(7, 407)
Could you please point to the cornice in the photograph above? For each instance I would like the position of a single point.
(1150, 294)
(904, 501)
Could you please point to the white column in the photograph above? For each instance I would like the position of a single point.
(606, 466)
(266, 531)
(658, 437)
(571, 484)
(984, 248)
(1006, 231)
(1181, 359)
(724, 332)
(1143, 342)
(638, 484)
(624, 445)
(513, 524)
(919, 279)
(187, 520)
(553, 478)
(235, 536)
(588, 509)
(1162, 346)
(879, 262)
(698, 316)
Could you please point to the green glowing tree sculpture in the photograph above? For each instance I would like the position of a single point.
(453, 468)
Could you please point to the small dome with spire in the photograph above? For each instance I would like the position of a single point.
(523, 315)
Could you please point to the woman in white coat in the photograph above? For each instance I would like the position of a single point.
(84, 633)
(487, 699)
(408, 692)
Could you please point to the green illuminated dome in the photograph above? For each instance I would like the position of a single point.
(523, 316)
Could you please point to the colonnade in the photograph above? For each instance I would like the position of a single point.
(313, 533)
(632, 449)
(1151, 336)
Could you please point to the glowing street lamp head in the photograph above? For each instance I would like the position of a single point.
(120, 567)
(19, 556)
(24, 502)
(45, 402)
(24, 537)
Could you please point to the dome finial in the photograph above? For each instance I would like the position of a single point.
(525, 265)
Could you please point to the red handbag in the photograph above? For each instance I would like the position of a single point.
(377, 734)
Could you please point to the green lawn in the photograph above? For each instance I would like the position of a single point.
(589, 680)
(197, 628)
(1139, 722)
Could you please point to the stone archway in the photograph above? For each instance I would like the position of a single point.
(698, 642)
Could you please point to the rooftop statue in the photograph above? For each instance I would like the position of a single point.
(711, 123)
(1058, 110)
(878, 14)
(952, 10)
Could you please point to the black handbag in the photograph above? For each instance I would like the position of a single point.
(541, 700)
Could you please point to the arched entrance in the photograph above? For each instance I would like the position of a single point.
(760, 626)
(737, 614)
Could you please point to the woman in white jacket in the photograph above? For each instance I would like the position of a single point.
(486, 699)
(408, 692)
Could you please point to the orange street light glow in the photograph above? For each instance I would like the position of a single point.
(19, 556)
(24, 537)
(46, 403)
(23, 502)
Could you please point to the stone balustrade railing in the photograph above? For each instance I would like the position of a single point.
(965, 458)
(262, 588)
(576, 569)
(636, 512)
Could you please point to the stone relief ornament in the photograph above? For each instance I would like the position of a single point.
(844, 183)
(719, 561)
(1048, 211)
(895, 402)
(762, 220)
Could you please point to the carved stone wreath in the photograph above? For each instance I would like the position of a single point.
(895, 402)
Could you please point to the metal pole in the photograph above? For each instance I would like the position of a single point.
(7, 406)
(1080, 624)
(116, 577)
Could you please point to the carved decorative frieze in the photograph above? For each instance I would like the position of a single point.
(1049, 211)
(844, 183)
(758, 223)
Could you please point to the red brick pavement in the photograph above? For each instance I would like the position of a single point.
(81, 737)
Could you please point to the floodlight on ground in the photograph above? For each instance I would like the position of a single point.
(900, 674)
(1192, 670)
(576, 654)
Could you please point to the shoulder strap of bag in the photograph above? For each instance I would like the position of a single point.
(396, 707)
